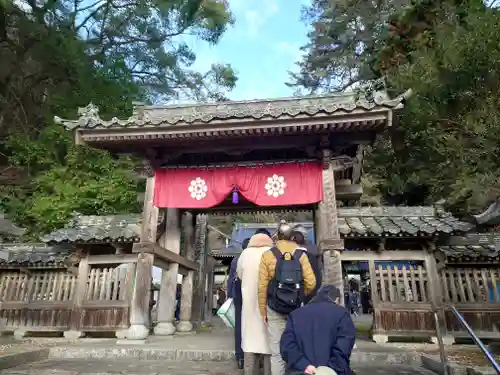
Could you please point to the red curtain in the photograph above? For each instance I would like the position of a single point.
(276, 185)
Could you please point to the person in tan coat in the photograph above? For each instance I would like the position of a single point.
(276, 322)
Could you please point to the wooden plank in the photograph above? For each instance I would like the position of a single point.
(407, 286)
(484, 278)
(453, 286)
(149, 214)
(165, 255)
(382, 284)
(468, 282)
(139, 309)
(112, 259)
(80, 292)
(387, 255)
(105, 304)
(39, 305)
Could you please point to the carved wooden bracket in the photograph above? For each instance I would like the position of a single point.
(342, 162)
(381, 245)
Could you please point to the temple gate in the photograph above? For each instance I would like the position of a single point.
(234, 156)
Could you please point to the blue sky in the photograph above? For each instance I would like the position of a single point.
(262, 47)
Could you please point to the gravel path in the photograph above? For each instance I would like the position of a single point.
(128, 367)
(9, 345)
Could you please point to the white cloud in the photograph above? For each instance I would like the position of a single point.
(290, 49)
(255, 13)
(253, 22)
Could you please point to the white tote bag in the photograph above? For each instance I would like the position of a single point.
(227, 313)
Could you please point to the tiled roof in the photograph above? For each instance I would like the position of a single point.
(375, 222)
(397, 222)
(470, 251)
(472, 245)
(167, 115)
(35, 256)
(98, 229)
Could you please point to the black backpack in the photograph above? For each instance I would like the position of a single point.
(285, 292)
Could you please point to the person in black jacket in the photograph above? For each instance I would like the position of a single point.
(234, 292)
(299, 236)
(319, 334)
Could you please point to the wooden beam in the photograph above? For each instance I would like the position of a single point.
(164, 254)
(388, 255)
(112, 258)
(348, 192)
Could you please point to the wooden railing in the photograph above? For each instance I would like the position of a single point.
(475, 293)
(401, 301)
(97, 299)
(38, 300)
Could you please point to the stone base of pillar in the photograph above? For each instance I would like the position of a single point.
(73, 335)
(165, 329)
(121, 334)
(130, 342)
(447, 340)
(20, 334)
(137, 332)
(184, 326)
(380, 339)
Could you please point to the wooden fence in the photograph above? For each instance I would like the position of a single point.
(475, 293)
(401, 301)
(37, 301)
(97, 299)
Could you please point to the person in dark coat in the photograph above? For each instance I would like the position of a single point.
(299, 236)
(178, 302)
(320, 333)
(234, 292)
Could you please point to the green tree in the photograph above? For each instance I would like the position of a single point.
(67, 179)
(56, 56)
(444, 142)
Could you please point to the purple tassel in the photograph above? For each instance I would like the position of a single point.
(235, 195)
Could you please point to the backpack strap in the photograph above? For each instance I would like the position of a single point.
(279, 261)
(299, 251)
(277, 254)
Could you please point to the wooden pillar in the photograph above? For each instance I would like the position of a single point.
(327, 228)
(168, 286)
(81, 288)
(187, 281)
(199, 279)
(434, 291)
(139, 309)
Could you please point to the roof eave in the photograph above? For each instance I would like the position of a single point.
(341, 121)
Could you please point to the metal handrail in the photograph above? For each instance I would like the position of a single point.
(442, 353)
(476, 339)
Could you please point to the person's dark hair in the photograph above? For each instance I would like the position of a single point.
(263, 231)
(298, 238)
(245, 242)
(328, 292)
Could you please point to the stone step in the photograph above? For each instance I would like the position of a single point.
(160, 367)
(148, 353)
